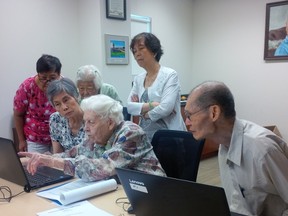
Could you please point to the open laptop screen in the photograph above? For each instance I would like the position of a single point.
(156, 195)
(12, 170)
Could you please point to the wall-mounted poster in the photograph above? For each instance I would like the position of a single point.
(117, 49)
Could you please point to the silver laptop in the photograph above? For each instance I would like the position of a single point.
(156, 195)
(12, 170)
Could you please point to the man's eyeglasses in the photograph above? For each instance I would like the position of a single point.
(188, 115)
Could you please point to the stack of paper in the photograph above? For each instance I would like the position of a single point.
(76, 209)
(78, 190)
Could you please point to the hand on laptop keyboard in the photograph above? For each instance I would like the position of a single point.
(36, 160)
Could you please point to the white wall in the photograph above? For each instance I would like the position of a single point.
(202, 40)
(89, 29)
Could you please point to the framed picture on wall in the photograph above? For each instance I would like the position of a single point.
(116, 9)
(117, 49)
(276, 31)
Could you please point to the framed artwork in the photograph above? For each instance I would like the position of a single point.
(276, 31)
(116, 9)
(117, 49)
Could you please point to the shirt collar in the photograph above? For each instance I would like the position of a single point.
(236, 143)
(112, 139)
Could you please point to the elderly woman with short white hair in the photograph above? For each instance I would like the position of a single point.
(111, 142)
(89, 82)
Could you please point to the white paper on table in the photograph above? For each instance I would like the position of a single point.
(78, 190)
(76, 209)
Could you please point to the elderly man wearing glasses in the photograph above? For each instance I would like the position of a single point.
(32, 108)
(253, 160)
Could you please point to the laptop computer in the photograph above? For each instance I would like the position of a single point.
(156, 195)
(11, 169)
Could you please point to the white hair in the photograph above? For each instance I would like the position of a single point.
(104, 106)
(89, 73)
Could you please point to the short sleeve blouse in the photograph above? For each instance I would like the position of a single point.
(33, 102)
(61, 133)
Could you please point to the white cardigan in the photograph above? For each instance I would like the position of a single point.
(165, 90)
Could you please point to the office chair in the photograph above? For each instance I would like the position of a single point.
(178, 152)
(127, 116)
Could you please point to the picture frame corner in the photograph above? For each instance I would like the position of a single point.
(275, 36)
(116, 9)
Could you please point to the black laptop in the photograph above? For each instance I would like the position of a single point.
(11, 169)
(164, 196)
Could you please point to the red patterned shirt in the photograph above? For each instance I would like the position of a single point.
(31, 100)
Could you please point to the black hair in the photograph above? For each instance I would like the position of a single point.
(151, 42)
(48, 63)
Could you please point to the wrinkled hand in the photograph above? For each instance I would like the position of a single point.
(134, 98)
(35, 160)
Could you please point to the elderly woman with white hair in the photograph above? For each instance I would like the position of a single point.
(111, 142)
(89, 82)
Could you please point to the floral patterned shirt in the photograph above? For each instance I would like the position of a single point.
(61, 133)
(31, 100)
(128, 147)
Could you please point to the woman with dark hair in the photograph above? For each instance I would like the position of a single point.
(66, 125)
(155, 95)
(32, 108)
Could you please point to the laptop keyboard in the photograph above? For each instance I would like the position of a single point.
(41, 177)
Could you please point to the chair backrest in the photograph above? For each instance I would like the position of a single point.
(178, 152)
(127, 116)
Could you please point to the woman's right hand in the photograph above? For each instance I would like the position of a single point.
(35, 160)
(134, 98)
(23, 146)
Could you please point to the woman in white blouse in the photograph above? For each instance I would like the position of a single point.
(155, 95)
